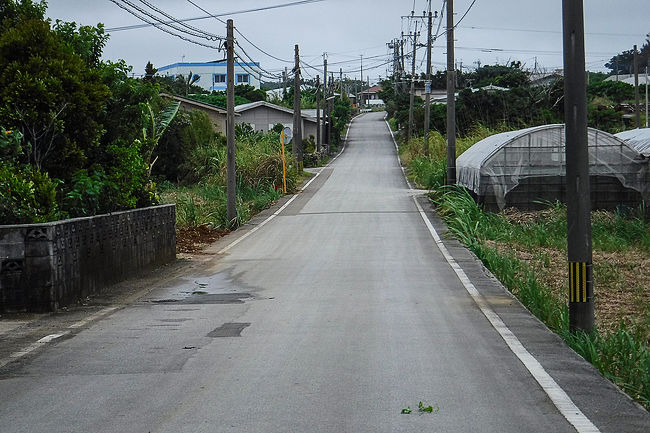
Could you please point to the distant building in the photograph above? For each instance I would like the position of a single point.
(627, 79)
(546, 78)
(216, 114)
(212, 75)
(370, 96)
(263, 116)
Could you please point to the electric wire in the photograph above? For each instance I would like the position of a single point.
(239, 33)
(171, 24)
(283, 5)
(165, 14)
(464, 15)
(161, 27)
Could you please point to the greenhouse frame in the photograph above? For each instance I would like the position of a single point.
(526, 169)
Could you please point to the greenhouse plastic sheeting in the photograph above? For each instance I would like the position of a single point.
(497, 164)
(638, 139)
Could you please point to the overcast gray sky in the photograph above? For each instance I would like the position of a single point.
(493, 31)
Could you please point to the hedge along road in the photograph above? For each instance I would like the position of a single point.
(334, 316)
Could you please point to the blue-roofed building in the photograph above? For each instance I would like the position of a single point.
(212, 75)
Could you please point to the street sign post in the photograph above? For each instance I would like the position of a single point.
(287, 135)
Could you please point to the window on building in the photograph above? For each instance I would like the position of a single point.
(242, 78)
(219, 78)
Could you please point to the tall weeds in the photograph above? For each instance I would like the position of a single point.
(623, 355)
(259, 181)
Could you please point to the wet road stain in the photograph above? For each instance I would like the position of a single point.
(231, 329)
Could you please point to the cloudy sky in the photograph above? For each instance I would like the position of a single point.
(492, 31)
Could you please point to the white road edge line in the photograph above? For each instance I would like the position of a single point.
(558, 396)
(32, 347)
(92, 317)
(277, 212)
(105, 311)
(49, 338)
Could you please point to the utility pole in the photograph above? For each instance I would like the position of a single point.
(330, 126)
(402, 48)
(581, 301)
(646, 92)
(427, 87)
(412, 93)
(451, 97)
(284, 82)
(637, 107)
(326, 106)
(297, 115)
(361, 103)
(231, 180)
(318, 144)
(341, 81)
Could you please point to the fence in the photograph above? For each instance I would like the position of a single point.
(46, 266)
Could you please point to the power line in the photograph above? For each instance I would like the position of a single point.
(283, 5)
(163, 13)
(549, 31)
(465, 14)
(161, 27)
(198, 34)
(240, 33)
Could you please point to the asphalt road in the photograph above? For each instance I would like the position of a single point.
(332, 317)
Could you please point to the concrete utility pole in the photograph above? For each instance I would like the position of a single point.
(231, 180)
(318, 144)
(402, 47)
(451, 97)
(427, 87)
(341, 80)
(581, 300)
(284, 82)
(361, 94)
(637, 105)
(412, 93)
(326, 105)
(297, 115)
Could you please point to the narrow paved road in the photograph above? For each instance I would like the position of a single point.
(332, 317)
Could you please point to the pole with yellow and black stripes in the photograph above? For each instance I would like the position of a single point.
(581, 288)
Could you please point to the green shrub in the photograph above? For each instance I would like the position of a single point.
(26, 196)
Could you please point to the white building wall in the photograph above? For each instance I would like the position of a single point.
(213, 74)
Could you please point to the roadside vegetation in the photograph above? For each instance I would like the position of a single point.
(526, 251)
(80, 136)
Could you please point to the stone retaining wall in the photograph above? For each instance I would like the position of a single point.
(47, 266)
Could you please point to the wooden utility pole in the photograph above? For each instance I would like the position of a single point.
(231, 180)
(427, 88)
(451, 97)
(581, 301)
(318, 143)
(297, 115)
(412, 93)
(637, 104)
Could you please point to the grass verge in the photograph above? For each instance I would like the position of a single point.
(619, 350)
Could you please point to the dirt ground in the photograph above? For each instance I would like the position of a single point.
(621, 282)
(194, 239)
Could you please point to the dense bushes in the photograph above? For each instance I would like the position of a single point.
(201, 198)
(83, 132)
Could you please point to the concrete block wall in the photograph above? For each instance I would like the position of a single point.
(46, 266)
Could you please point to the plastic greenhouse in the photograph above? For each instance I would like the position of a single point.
(638, 139)
(526, 169)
